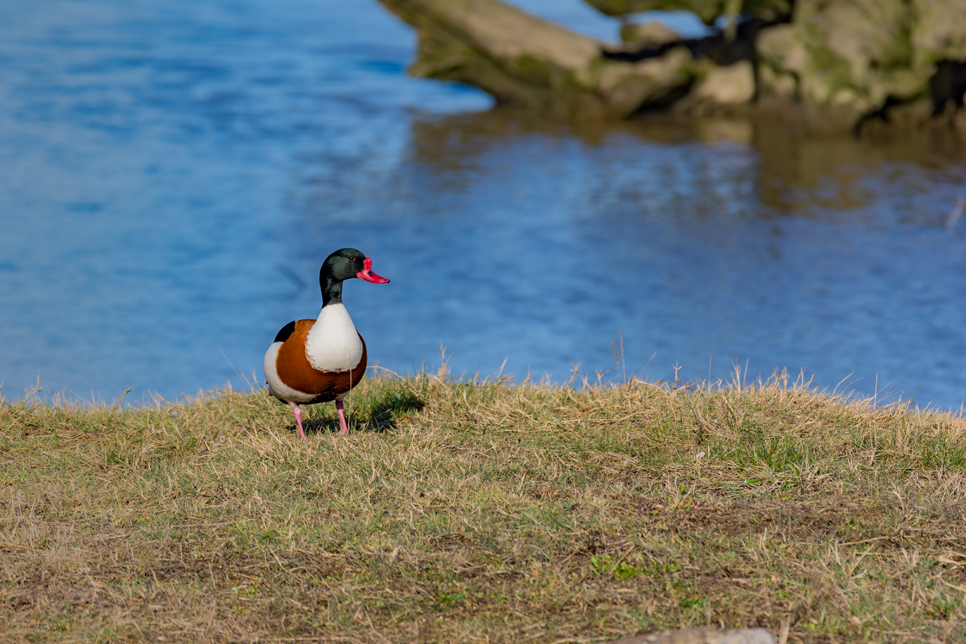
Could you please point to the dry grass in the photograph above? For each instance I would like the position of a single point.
(484, 511)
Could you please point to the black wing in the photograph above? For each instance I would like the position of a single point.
(285, 331)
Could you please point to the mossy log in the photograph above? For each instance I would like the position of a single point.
(525, 61)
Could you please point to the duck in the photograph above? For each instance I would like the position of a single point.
(321, 360)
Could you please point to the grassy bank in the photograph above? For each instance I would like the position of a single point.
(465, 512)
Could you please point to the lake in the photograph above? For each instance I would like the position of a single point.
(175, 173)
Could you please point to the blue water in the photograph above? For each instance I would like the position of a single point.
(175, 172)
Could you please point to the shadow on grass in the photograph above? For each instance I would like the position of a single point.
(379, 416)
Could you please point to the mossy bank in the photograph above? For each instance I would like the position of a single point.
(484, 511)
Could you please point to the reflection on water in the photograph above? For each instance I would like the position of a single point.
(175, 175)
(705, 244)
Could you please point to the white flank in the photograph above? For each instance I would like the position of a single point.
(275, 385)
(333, 344)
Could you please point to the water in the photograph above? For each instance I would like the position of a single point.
(174, 173)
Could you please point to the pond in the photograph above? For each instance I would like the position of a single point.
(175, 173)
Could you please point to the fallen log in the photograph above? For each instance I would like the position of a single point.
(525, 61)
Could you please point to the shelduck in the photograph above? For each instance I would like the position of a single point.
(315, 361)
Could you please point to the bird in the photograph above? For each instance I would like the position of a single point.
(317, 361)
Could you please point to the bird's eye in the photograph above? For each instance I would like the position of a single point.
(352, 258)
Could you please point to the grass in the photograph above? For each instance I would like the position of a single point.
(469, 511)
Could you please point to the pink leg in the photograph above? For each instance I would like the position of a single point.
(298, 419)
(345, 428)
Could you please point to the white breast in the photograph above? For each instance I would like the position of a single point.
(333, 344)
